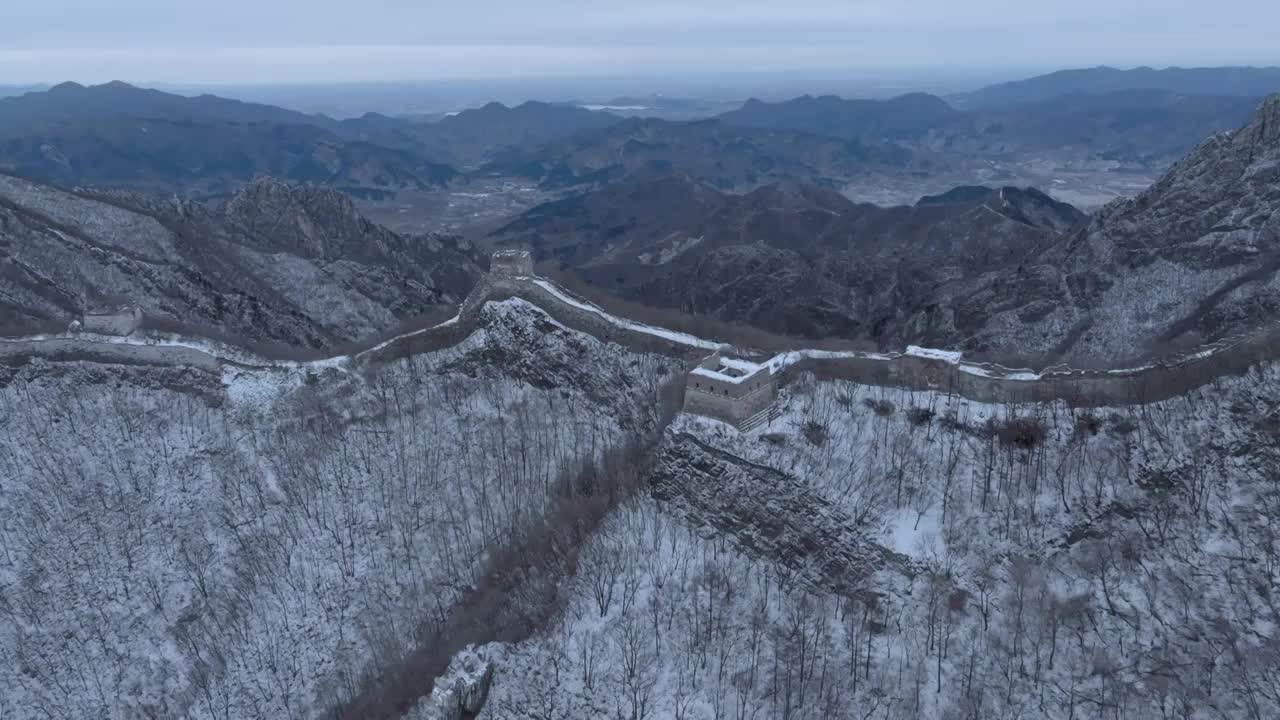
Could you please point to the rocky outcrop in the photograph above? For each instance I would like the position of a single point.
(459, 693)
(770, 514)
(1194, 257)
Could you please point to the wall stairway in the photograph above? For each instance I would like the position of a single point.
(766, 415)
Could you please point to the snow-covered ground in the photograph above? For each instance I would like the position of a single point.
(181, 545)
(252, 551)
(1116, 563)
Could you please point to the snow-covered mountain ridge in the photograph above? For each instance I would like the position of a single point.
(916, 368)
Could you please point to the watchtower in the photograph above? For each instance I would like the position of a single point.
(515, 263)
(738, 392)
(117, 319)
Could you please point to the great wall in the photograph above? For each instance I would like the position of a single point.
(913, 369)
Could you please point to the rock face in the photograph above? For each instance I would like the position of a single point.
(460, 693)
(276, 261)
(1194, 257)
(827, 548)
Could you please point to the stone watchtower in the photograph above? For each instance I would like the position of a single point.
(118, 319)
(738, 392)
(515, 263)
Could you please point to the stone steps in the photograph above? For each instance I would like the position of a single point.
(766, 415)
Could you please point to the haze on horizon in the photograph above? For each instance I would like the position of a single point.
(323, 41)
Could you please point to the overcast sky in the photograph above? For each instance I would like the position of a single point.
(250, 41)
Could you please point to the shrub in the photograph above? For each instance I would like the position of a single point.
(952, 422)
(1122, 425)
(919, 416)
(774, 438)
(815, 432)
(1023, 432)
(883, 408)
(1087, 423)
(845, 399)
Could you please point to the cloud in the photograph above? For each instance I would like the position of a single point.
(293, 40)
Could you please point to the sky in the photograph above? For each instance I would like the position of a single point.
(319, 41)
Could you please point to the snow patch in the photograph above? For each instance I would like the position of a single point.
(671, 335)
(949, 356)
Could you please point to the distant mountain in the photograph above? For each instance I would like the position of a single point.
(659, 106)
(788, 257)
(1152, 128)
(11, 90)
(120, 135)
(72, 102)
(730, 158)
(292, 263)
(1223, 81)
(908, 117)
(117, 135)
(1143, 127)
(1194, 258)
(205, 159)
(471, 136)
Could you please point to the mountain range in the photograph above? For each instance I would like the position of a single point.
(472, 136)
(1223, 81)
(1145, 127)
(289, 263)
(789, 257)
(1001, 271)
(117, 135)
(731, 158)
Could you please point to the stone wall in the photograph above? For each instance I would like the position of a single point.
(1163, 380)
(733, 391)
(733, 410)
(88, 350)
(985, 383)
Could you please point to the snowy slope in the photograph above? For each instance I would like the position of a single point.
(176, 547)
(1114, 563)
